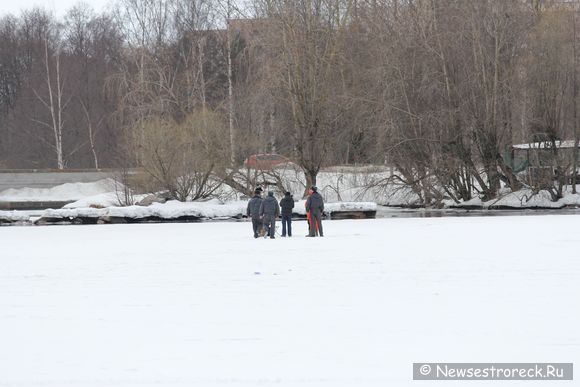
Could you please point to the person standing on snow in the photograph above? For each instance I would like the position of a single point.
(315, 206)
(269, 211)
(253, 211)
(287, 204)
(308, 212)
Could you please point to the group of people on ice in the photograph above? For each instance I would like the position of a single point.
(265, 211)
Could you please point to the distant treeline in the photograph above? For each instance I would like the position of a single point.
(439, 89)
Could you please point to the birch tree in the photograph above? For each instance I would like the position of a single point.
(54, 102)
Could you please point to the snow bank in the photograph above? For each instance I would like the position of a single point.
(521, 199)
(329, 208)
(65, 213)
(63, 192)
(107, 199)
(169, 210)
(13, 216)
(524, 199)
(207, 210)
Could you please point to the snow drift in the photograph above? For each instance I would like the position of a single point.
(204, 210)
(63, 192)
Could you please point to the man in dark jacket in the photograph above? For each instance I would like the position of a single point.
(270, 210)
(287, 204)
(253, 211)
(315, 205)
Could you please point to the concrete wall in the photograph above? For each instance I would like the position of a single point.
(49, 178)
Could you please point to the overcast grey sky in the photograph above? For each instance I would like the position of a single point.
(58, 6)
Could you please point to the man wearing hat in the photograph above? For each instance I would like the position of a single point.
(253, 211)
(315, 206)
(270, 210)
(287, 204)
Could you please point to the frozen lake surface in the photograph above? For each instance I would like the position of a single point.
(205, 304)
(398, 212)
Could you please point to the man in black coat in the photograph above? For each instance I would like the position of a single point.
(287, 204)
(270, 210)
(253, 211)
(315, 205)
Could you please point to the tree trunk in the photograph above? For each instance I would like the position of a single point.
(91, 134)
(54, 105)
(230, 88)
(200, 58)
(574, 102)
(310, 176)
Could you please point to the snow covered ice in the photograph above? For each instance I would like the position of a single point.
(205, 304)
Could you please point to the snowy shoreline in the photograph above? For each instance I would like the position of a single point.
(99, 202)
(172, 211)
(33, 218)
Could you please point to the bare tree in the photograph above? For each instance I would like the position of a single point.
(54, 102)
(306, 39)
(183, 158)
